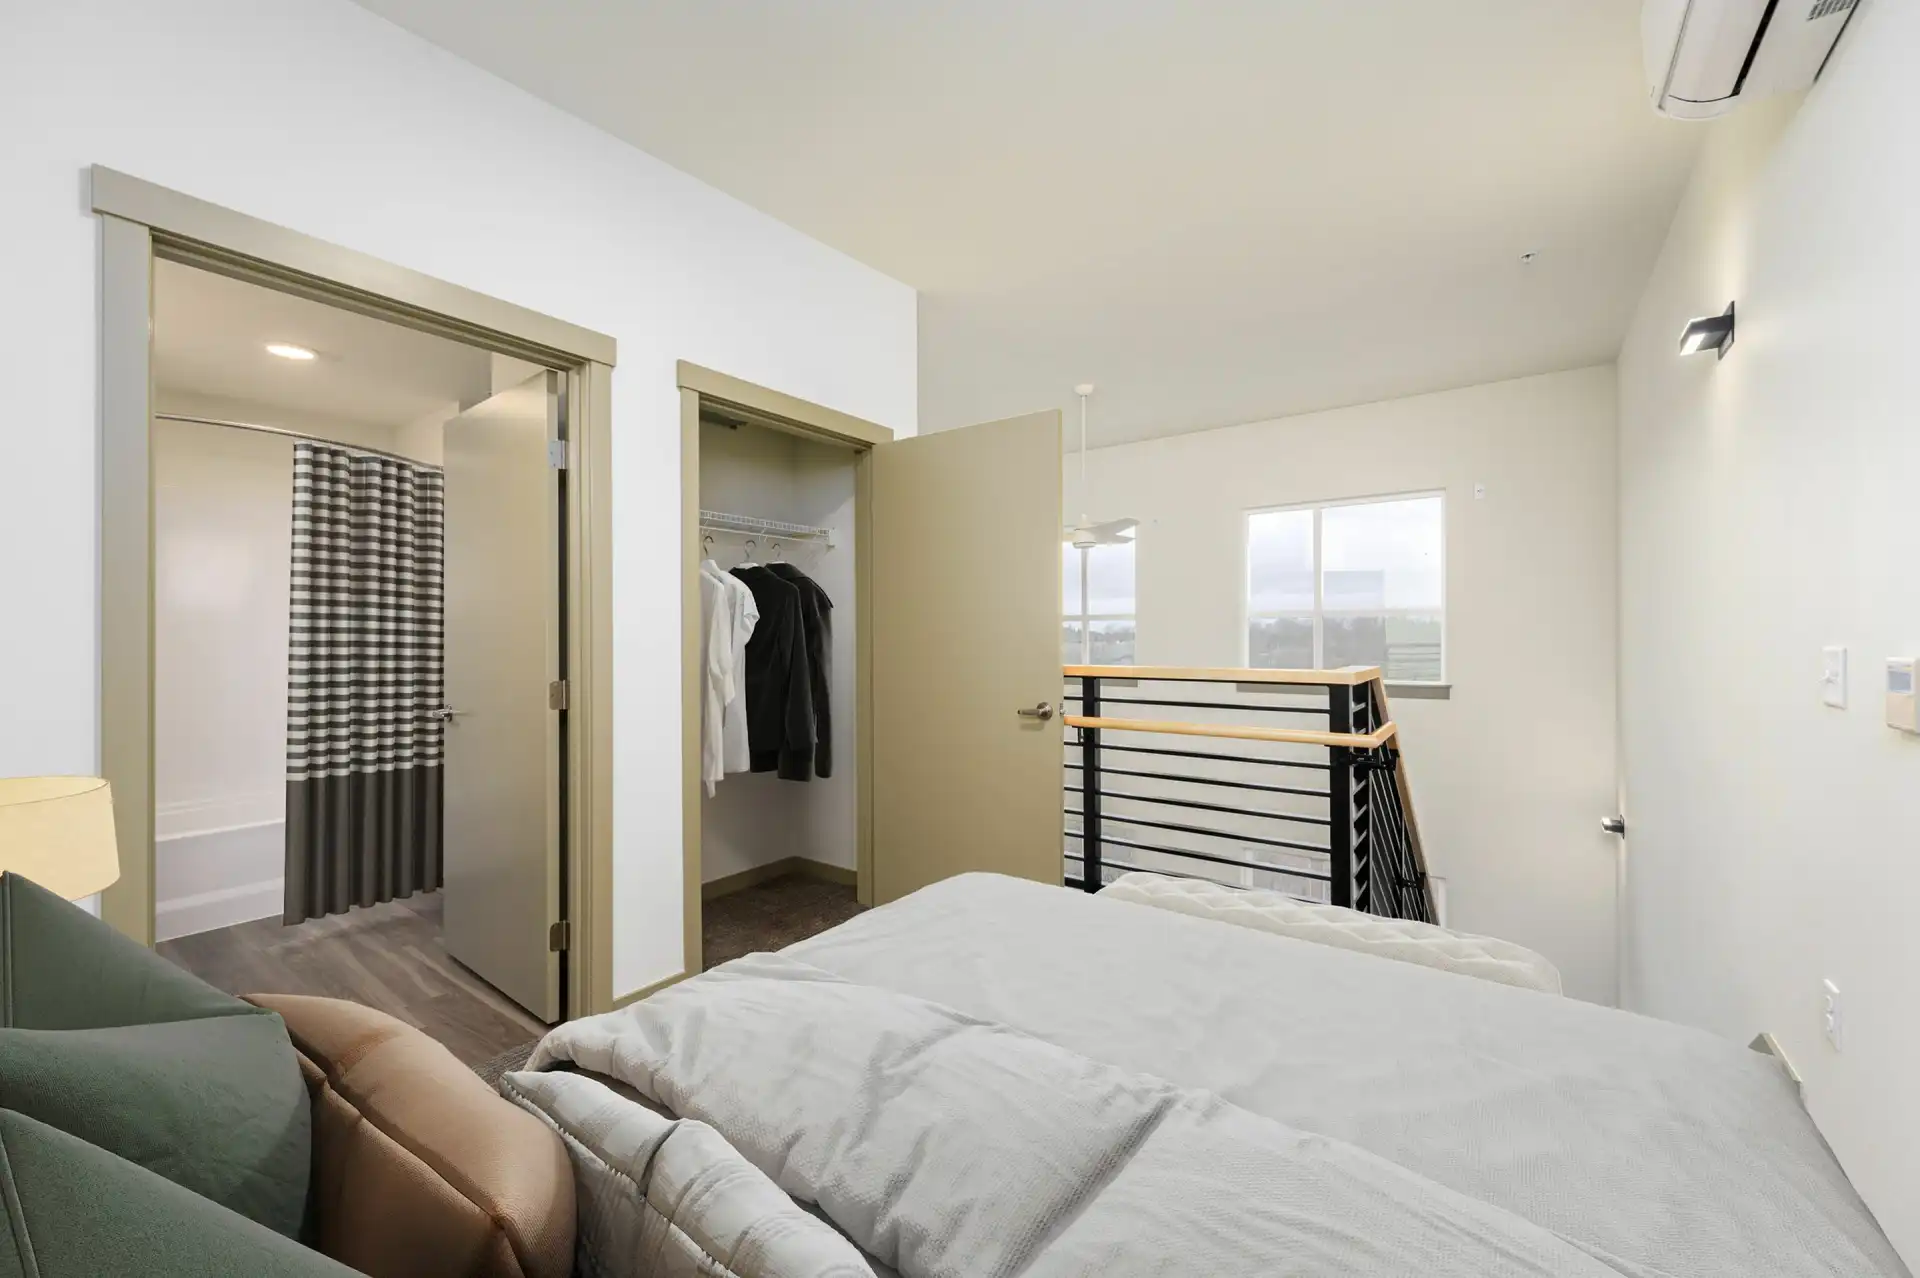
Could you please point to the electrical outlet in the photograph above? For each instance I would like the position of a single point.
(1830, 1015)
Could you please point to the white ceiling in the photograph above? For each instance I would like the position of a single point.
(1218, 212)
(210, 335)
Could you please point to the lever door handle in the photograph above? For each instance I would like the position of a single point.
(444, 713)
(1042, 711)
(1614, 824)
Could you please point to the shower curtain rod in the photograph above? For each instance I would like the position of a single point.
(293, 434)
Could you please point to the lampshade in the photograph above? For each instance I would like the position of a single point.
(58, 831)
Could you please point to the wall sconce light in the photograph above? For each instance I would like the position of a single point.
(1710, 332)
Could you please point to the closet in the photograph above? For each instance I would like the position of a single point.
(777, 523)
(937, 560)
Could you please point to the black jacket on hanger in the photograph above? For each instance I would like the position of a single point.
(779, 681)
(816, 617)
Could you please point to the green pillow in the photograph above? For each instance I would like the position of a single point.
(76, 1211)
(104, 1039)
(62, 968)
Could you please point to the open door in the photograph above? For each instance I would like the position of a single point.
(966, 654)
(502, 822)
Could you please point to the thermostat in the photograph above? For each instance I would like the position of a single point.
(1903, 709)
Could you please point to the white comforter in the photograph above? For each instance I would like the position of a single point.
(994, 1076)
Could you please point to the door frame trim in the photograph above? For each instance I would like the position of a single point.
(777, 411)
(141, 222)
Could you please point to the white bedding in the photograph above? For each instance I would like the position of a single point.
(665, 1197)
(1405, 940)
(951, 1147)
(1648, 1148)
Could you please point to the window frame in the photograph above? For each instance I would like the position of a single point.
(1086, 618)
(1320, 612)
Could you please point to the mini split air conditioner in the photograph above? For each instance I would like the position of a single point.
(1705, 57)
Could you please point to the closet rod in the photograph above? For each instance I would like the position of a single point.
(293, 434)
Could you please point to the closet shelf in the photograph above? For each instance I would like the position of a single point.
(718, 521)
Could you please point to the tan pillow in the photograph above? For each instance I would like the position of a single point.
(418, 1166)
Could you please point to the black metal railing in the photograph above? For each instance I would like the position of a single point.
(1315, 809)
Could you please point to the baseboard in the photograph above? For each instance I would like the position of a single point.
(646, 991)
(805, 867)
(206, 911)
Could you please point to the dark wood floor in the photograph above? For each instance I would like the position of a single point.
(389, 956)
(771, 916)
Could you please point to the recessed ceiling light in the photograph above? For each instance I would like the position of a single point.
(285, 351)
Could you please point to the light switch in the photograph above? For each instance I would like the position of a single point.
(1833, 676)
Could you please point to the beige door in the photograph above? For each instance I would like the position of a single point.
(502, 649)
(966, 634)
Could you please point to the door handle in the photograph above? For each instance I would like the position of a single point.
(1042, 711)
(445, 714)
(1614, 824)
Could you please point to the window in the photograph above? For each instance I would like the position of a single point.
(1351, 584)
(1097, 604)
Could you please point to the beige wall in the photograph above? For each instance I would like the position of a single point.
(1767, 510)
(408, 440)
(1513, 773)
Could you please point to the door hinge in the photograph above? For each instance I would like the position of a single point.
(557, 454)
(557, 695)
(559, 937)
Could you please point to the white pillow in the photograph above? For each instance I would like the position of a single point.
(1403, 939)
(667, 1197)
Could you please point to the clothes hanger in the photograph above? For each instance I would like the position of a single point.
(746, 554)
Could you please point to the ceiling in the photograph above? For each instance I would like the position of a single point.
(210, 335)
(1217, 212)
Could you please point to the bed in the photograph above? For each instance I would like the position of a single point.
(996, 1076)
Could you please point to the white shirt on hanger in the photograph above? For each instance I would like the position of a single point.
(744, 615)
(718, 682)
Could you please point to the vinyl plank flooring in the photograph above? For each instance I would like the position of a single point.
(389, 957)
(386, 956)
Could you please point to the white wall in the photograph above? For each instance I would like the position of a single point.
(755, 819)
(222, 526)
(1766, 510)
(1512, 774)
(319, 116)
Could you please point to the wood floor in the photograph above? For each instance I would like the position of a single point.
(389, 956)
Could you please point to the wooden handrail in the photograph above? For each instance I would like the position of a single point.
(1290, 736)
(1345, 677)
(1404, 867)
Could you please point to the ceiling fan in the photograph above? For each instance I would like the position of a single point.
(1086, 534)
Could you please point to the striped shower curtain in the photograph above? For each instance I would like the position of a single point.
(364, 674)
